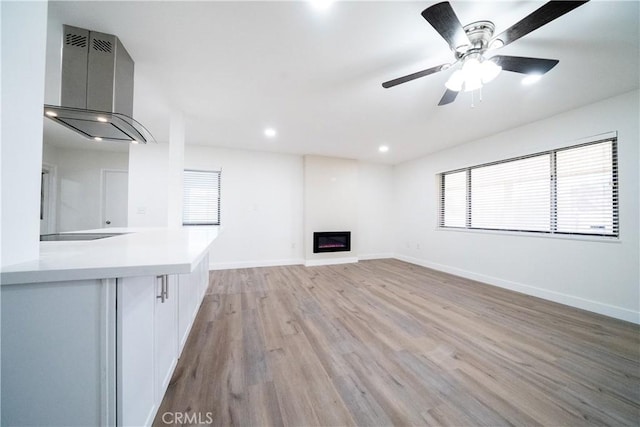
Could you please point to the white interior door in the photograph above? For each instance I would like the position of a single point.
(114, 199)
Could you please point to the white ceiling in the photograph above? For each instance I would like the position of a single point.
(234, 68)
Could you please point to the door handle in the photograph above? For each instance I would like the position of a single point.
(108, 222)
(162, 295)
(164, 288)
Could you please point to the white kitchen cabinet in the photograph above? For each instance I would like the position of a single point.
(135, 350)
(58, 353)
(80, 347)
(68, 346)
(147, 345)
(191, 288)
(165, 333)
(155, 314)
(203, 277)
(187, 297)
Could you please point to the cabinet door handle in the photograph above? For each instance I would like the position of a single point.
(166, 286)
(162, 292)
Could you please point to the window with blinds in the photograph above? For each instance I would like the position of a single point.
(201, 198)
(572, 190)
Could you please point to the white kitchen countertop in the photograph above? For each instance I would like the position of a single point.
(140, 252)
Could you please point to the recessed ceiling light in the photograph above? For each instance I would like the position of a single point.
(383, 148)
(51, 114)
(270, 132)
(321, 4)
(133, 141)
(531, 79)
(102, 119)
(97, 138)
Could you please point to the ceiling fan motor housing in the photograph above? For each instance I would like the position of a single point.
(479, 34)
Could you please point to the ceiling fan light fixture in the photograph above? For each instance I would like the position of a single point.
(455, 81)
(489, 71)
(472, 82)
(473, 75)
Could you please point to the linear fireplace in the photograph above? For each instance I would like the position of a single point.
(331, 241)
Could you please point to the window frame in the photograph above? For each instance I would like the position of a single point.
(553, 223)
(219, 179)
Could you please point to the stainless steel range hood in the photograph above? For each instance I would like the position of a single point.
(97, 88)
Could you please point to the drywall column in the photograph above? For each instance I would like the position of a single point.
(330, 204)
(148, 182)
(24, 37)
(155, 179)
(176, 167)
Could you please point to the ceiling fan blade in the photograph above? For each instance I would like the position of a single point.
(545, 14)
(413, 76)
(524, 65)
(448, 97)
(442, 17)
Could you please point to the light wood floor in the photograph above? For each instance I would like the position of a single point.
(389, 343)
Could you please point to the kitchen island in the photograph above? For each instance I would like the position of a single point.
(135, 252)
(92, 330)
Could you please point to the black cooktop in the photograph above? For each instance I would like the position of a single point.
(63, 237)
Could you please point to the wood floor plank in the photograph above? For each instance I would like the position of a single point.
(385, 342)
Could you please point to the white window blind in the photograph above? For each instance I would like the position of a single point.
(454, 185)
(514, 195)
(201, 198)
(567, 191)
(586, 190)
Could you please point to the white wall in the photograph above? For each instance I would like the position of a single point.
(24, 35)
(262, 196)
(176, 169)
(261, 206)
(53, 73)
(375, 223)
(79, 184)
(148, 185)
(599, 276)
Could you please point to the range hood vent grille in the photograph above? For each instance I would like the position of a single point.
(96, 88)
(102, 45)
(75, 40)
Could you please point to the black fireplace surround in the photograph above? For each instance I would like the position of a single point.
(331, 241)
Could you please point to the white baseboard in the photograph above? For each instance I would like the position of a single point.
(252, 264)
(375, 256)
(329, 261)
(570, 300)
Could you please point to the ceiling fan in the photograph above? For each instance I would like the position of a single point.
(471, 42)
